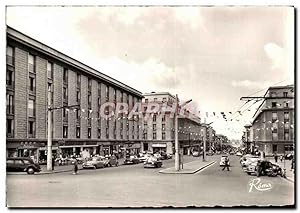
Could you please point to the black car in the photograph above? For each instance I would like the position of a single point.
(132, 160)
(267, 168)
(22, 164)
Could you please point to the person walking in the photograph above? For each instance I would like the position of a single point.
(226, 164)
(281, 158)
(75, 166)
(53, 162)
(276, 157)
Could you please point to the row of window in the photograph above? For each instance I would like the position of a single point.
(276, 105)
(163, 135)
(274, 94)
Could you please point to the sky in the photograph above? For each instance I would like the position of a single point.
(212, 55)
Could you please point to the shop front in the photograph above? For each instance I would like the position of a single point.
(159, 147)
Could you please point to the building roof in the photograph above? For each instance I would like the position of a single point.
(159, 93)
(34, 44)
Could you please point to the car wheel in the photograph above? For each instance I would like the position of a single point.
(117, 164)
(249, 173)
(95, 167)
(30, 171)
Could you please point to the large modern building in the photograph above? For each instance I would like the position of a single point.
(272, 128)
(158, 128)
(38, 77)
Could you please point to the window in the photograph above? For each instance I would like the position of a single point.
(89, 100)
(99, 133)
(89, 132)
(50, 89)
(164, 100)
(163, 118)
(106, 93)
(65, 75)
(89, 84)
(286, 126)
(163, 127)
(78, 114)
(32, 84)
(154, 135)
(273, 94)
(9, 55)
(10, 127)
(154, 127)
(154, 118)
(65, 94)
(50, 70)
(19, 162)
(31, 63)
(274, 104)
(163, 135)
(274, 148)
(286, 105)
(78, 96)
(285, 94)
(31, 128)
(65, 113)
(146, 100)
(78, 132)
(155, 99)
(9, 104)
(9, 78)
(65, 131)
(78, 80)
(286, 136)
(99, 89)
(31, 108)
(145, 135)
(286, 116)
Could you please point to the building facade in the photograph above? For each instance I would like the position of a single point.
(158, 127)
(273, 123)
(39, 77)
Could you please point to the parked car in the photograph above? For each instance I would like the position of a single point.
(22, 164)
(222, 161)
(248, 161)
(267, 168)
(144, 157)
(289, 156)
(239, 154)
(164, 156)
(158, 156)
(196, 154)
(94, 163)
(110, 161)
(169, 155)
(152, 162)
(133, 159)
(244, 158)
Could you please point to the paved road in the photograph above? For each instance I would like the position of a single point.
(135, 186)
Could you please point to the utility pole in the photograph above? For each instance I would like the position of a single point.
(204, 144)
(49, 138)
(177, 164)
(177, 159)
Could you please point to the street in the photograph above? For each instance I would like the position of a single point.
(134, 186)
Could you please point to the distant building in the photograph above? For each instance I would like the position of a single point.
(273, 122)
(158, 128)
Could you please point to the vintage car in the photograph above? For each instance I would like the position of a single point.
(152, 162)
(22, 164)
(239, 154)
(267, 168)
(94, 163)
(248, 161)
(110, 161)
(133, 159)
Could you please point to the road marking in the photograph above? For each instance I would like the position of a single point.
(205, 168)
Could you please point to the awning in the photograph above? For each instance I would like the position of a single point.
(159, 145)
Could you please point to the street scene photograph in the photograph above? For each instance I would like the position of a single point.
(150, 106)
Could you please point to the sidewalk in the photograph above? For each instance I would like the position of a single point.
(289, 174)
(188, 168)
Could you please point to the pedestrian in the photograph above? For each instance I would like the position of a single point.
(276, 157)
(53, 162)
(75, 166)
(226, 163)
(281, 158)
(264, 155)
(293, 164)
(259, 168)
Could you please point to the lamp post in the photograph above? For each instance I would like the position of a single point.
(177, 163)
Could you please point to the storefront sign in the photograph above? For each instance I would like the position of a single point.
(159, 145)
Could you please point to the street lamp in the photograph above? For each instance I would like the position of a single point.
(177, 163)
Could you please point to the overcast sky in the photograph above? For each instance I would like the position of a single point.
(213, 55)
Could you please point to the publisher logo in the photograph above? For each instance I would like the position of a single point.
(256, 184)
